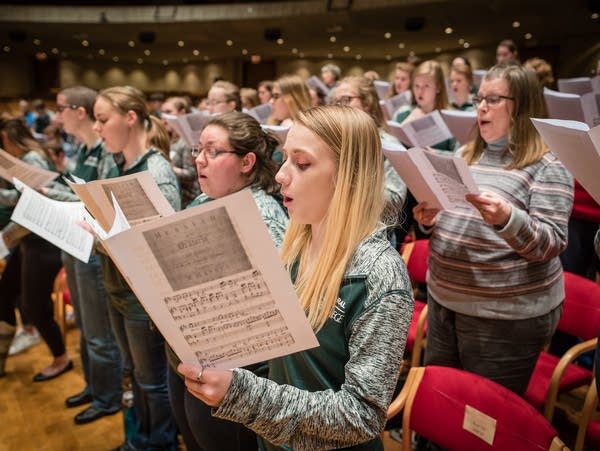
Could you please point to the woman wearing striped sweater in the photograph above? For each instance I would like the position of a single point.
(495, 280)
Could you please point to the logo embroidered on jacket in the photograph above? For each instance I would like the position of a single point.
(339, 312)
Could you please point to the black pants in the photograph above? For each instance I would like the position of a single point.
(30, 273)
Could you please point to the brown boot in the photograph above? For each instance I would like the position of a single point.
(7, 332)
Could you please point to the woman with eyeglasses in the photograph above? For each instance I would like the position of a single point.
(352, 285)
(234, 153)
(289, 96)
(360, 93)
(495, 282)
(125, 124)
(223, 97)
(32, 265)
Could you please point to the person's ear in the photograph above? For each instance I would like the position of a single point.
(131, 117)
(248, 162)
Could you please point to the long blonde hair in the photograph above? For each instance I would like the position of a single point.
(294, 93)
(524, 143)
(354, 211)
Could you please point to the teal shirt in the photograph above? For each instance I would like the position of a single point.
(119, 292)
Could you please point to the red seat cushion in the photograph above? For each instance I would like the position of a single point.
(539, 383)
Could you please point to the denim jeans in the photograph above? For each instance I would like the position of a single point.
(155, 427)
(200, 430)
(100, 354)
(504, 351)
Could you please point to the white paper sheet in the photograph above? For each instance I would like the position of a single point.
(54, 221)
(441, 181)
(422, 132)
(212, 282)
(578, 85)
(383, 88)
(188, 126)
(279, 131)
(138, 195)
(577, 147)
(462, 124)
(261, 112)
(30, 175)
(392, 104)
(315, 82)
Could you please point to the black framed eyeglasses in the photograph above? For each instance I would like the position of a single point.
(211, 153)
(61, 108)
(344, 100)
(491, 100)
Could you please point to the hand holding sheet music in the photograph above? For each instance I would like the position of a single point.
(441, 181)
(211, 279)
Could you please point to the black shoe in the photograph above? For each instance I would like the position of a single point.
(79, 399)
(40, 377)
(92, 414)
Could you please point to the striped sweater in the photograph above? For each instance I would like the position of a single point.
(509, 273)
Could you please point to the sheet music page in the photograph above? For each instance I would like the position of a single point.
(261, 112)
(315, 82)
(30, 175)
(138, 195)
(596, 84)
(397, 130)
(383, 88)
(427, 130)
(54, 221)
(211, 279)
(590, 103)
(462, 124)
(564, 106)
(193, 125)
(393, 103)
(441, 181)
(410, 174)
(578, 85)
(577, 147)
(478, 75)
(279, 131)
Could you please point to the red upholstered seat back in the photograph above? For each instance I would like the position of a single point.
(581, 309)
(438, 413)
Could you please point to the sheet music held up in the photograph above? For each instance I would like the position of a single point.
(30, 175)
(188, 126)
(54, 221)
(462, 124)
(138, 195)
(577, 147)
(211, 279)
(422, 132)
(441, 181)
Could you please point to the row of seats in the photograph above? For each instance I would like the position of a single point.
(553, 376)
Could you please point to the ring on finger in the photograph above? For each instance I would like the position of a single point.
(199, 375)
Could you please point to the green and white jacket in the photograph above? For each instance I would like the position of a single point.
(336, 395)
